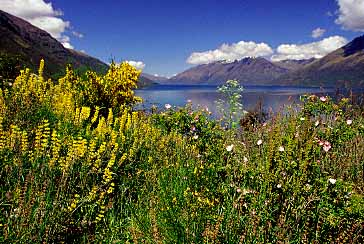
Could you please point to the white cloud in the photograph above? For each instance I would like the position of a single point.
(77, 34)
(351, 14)
(40, 14)
(309, 50)
(67, 45)
(234, 51)
(136, 64)
(318, 32)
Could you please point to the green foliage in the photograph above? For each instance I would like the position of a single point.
(73, 174)
(10, 66)
(230, 106)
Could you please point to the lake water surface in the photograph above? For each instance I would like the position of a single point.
(270, 97)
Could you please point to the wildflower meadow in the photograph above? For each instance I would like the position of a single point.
(78, 164)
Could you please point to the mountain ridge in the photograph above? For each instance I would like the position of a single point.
(342, 67)
(19, 37)
(257, 71)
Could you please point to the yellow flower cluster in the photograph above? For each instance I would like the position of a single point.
(3, 107)
(74, 203)
(29, 86)
(55, 148)
(82, 115)
(42, 135)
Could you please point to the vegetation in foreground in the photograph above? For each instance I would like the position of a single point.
(78, 165)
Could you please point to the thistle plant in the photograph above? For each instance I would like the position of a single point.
(230, 106)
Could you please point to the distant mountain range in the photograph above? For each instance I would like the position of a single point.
(155, 78)
(343, 67)
(257, 71)
(146, 80)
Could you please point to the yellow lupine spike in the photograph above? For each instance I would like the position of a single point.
(85, 114)
(110, 117)
(96, 115)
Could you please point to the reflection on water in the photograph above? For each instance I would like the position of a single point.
(271, 97)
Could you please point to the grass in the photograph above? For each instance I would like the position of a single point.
(74, 170)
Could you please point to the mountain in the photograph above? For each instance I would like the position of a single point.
(18, 37)
(291, 64)
(257, 71)
(342, 67)
(155, 78)
(145, 82)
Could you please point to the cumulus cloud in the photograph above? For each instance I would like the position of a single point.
(351, 14)
(136, 64)
(40, 14)
(318, 32)
(234, 51)
(310, 50)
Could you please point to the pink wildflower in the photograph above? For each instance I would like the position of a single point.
(326, 146)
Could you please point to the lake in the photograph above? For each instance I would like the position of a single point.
(271, 97)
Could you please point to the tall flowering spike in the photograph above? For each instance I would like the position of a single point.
(41, 68)
(110, 117)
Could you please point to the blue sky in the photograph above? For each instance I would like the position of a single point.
(162, 35)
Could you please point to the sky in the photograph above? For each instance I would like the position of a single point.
(166, 37)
